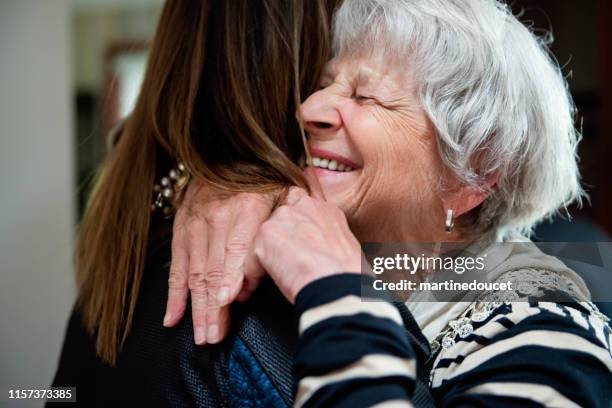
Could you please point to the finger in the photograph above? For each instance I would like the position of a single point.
(198, 254)
(239, 242)
(223, 322)
(249, 287)
(218, 229)
(253, 275)
(313, 182)
(178, 289)
(244, 295)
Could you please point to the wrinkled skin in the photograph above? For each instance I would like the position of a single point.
(366, 113)
(212, 235)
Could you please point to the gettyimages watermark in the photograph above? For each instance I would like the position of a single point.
(515, 271)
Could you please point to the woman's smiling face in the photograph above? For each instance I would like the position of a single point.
(367, 119)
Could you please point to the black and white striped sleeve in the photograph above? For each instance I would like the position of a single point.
(356, 353)
(351, 353)
(540, 354)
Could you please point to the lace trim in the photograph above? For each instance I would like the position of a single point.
(531, 283)
(527, 283)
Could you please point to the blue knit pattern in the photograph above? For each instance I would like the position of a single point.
(249, 384)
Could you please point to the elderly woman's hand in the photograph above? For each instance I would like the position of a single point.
(212, 235)
(304, 240)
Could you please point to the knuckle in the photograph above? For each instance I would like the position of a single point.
(238, 245)
(177, 280)
(214, 272)
(266, 229)
(193, 228)
(283, 211)
(297, 191)
(269, 234)
(217, 217)
(196, 280)
(257, 204)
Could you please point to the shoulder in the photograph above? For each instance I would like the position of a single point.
(497, 320)
(538, 344)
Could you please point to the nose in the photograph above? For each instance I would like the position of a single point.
(320, 115)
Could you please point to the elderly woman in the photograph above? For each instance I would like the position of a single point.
(436, 121)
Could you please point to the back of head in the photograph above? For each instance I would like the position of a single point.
(220, 92)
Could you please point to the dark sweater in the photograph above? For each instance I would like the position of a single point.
(163, 367)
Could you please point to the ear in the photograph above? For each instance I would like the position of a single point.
(463, 198)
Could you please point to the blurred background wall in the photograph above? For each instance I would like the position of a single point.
(37, 189)
(69, 69)
(54, 62)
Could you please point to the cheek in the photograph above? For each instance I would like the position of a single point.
(408, 169)
(400, 152)
(402, 167)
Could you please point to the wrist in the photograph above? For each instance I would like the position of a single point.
(329, 288)
(314, 273)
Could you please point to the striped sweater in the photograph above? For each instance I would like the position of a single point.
(355, 353)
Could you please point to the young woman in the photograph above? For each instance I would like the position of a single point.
(221, 89)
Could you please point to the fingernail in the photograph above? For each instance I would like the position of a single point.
(213, 333)
(200, 335)
(223, 296)
(167, 319)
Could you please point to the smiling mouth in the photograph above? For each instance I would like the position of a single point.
(327, 164)
(330, 161)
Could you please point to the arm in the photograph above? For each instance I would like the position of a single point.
(528, 354)
(542, 355)
(351, 352)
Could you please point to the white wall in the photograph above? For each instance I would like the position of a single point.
(37, 197)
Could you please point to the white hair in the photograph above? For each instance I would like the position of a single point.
(497, 99)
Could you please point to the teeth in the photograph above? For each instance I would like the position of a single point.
(329, 164)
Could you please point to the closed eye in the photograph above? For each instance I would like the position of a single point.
(363, 98)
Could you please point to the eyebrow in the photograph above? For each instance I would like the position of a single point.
(366, 75)
(363, 76)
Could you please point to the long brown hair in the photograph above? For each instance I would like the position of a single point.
(220, 91)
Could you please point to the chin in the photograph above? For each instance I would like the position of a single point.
(336, 184)
(337, 174)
